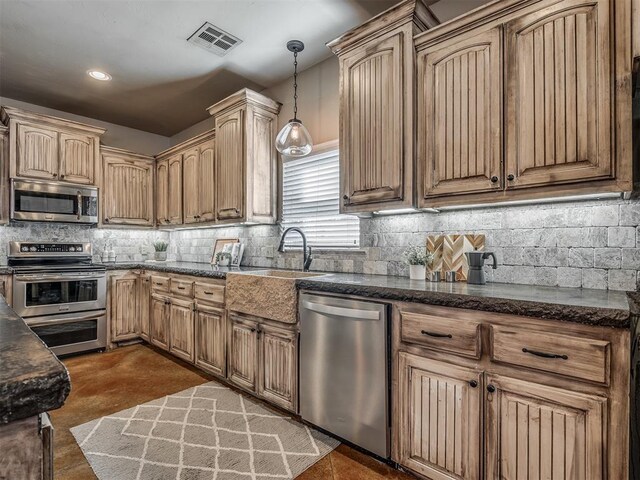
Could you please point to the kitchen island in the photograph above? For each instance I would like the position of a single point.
(32, 382)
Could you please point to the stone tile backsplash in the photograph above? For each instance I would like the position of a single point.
(591, 244)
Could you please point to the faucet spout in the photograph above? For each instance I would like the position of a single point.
(306, 251)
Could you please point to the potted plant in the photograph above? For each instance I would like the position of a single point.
(418, 258)
(223, 259)
(161, 250)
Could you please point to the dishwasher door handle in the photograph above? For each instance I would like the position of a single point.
(342, 311)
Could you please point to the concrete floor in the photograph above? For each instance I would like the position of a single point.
(105, 383)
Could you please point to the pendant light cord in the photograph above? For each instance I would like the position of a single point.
(295, 86)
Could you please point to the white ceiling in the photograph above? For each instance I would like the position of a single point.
(161, 83)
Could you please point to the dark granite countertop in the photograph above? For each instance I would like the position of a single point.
(32, 379)
(591, 307)
(186, 268)
(5, 271)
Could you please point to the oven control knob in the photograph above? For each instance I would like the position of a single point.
(72, 249)
(24, 248)
(32, 249)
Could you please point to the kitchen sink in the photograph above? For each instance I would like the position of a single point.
(270, 294)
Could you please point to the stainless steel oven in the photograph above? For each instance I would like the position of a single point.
(71, 333)
(44, 201)
(60, 294)
(36, 294)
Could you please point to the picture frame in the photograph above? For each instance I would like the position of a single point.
(219, 247)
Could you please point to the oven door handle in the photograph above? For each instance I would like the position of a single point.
(50, 276)
(37, 322)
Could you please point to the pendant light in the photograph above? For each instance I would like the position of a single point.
(294, 139)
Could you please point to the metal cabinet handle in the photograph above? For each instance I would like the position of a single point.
(181, 288)
(473, 383)
(491, 388)
(106, 220)
(494, 179)
(62, 176)
(436, 335)
(55, 175)
(545, 354)
(511, 177)
(208, 293)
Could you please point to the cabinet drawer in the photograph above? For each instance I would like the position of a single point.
(209, 293)
(159, 284)
(182, 287)
(578, 357)
(441, 333)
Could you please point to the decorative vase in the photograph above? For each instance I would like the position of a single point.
(417, 272)
(161, 256)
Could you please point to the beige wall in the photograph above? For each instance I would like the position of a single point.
(318, 105)
(115, 136)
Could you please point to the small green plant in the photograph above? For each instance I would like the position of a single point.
(160, 246)
(222, 255)
(417, 255)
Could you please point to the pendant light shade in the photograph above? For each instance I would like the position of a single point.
(294, 139)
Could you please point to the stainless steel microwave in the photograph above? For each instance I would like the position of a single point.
(44, 201)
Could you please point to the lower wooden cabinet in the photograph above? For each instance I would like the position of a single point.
(243, 352)
(124, 317)
(277, 372)
(263, 359)
(440, 415)
(159, 321)
(181, 328)
(536, 431)
(144, 306)
(210, 339)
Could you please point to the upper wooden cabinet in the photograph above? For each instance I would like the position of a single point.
(246, 159)
(555, 81)
(4, 174)
(127, 188)
(376, 109)
(185, 182)
(51, 148)
(460, 115)
(558, 70)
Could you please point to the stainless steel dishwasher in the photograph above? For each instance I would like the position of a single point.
(344, 369)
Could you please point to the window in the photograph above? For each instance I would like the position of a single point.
(310, 200)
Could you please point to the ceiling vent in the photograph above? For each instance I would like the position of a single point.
(214, 39)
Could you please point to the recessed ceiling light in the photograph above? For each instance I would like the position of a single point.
(98, 75)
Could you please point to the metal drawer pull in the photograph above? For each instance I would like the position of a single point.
(181, 288)
(436, 335)
(545, 355)
(208, 293)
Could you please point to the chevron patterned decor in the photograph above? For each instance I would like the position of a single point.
(449, 252)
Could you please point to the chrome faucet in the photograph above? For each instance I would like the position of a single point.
(306, 254)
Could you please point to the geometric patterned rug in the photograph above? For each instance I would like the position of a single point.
(205, 432)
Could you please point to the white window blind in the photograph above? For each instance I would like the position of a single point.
(310, 201)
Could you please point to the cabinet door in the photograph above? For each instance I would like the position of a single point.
(144, 305)
(278, 366)
(243, 352)
(211, 340)
(181, 326)
(559, 95)
(6, 288)
(459, 115)
(77, 158)
(191, 185)
(535, 431)
(375, 163)
(159, 321)
(206, 179)
(37, 155)
(174, 190)
(230, 167)
(439, 424)
(124, 307)
(162, 192)
(127, 192)
(4, 175)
